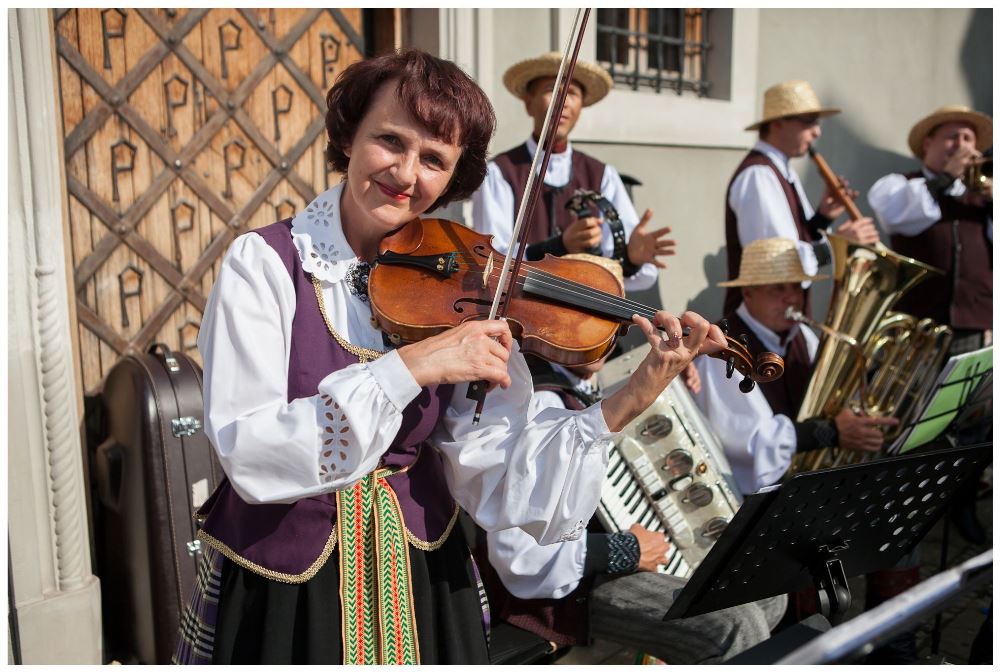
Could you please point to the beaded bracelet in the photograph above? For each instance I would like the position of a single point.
(623, 553)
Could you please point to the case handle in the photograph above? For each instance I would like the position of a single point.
(163, 351)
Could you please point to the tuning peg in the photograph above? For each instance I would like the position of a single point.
(746, 385)
(745, 340)
(724, 325)
(730, 365)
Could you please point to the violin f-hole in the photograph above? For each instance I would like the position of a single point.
(480, 303)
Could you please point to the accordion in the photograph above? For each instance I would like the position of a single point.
(667, 473)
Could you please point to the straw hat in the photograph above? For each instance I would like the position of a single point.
(982, 123)
(594, 79)
(609, 264)
(771, 261)
(789, 99)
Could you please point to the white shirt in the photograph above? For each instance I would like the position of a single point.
(758, 443)
(493, 210)
(761, 206)
(542, 473)
(906, 206)
(527, 569)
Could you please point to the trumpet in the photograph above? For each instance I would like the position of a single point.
(978, 175)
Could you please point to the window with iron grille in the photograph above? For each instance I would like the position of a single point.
(656, 48)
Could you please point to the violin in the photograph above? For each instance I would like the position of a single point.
(434, 274)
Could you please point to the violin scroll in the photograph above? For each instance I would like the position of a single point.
(764, 368)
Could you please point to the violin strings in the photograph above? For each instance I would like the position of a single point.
(583, 294)
(586, 294)
(575, 288)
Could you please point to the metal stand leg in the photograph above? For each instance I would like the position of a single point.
(936, 632)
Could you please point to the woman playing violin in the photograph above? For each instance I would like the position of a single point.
(331, 539)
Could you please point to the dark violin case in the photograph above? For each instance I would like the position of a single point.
(151, 467)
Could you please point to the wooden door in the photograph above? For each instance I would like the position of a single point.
(183, 129)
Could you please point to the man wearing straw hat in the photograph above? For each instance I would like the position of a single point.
(758, 430)
(552, 228)
(765, 197)
(935, 218)
(567, 593)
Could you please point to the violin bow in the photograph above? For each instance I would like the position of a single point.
(536, 177)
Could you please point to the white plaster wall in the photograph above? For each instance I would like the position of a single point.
(886, 69)
(517, 34)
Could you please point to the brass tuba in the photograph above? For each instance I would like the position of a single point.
(878, 361)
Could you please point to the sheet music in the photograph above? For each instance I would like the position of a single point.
(953, 388)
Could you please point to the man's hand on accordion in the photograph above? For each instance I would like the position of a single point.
(653, 548)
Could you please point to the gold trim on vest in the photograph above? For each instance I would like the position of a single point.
(365, 355)
(331, 543)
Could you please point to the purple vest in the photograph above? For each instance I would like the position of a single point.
(550, 215)
(290, 538)
(734, 250)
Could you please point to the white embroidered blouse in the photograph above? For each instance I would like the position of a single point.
(542, 474)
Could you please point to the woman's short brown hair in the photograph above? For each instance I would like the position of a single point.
(435, 92)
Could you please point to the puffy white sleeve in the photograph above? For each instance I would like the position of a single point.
(493, 208)
(904, 206)
(758, 444)
(532, 571)
(614, 190)
(271, 449)
(761, 209)
(541, 474)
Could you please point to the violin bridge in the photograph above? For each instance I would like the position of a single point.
(487, 271)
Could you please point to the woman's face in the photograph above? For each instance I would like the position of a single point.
(396, 167)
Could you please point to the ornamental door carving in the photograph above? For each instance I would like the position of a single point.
(184, 128)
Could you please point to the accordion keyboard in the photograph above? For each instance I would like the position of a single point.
(668, 473)
(623, 503)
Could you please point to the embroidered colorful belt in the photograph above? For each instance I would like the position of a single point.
(376, 596)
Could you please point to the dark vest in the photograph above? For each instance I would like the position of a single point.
(545, 378)
(784, 395)
(734, 250)
(550, 215)
(956, 244)
(290, 538)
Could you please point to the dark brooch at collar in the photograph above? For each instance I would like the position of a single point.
(357, 279)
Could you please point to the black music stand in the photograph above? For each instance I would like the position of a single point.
(822, 527)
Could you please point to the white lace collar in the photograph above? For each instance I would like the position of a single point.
(319, 238)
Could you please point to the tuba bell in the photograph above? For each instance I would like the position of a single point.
(877, 361)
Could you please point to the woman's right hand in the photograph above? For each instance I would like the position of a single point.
(475, 350)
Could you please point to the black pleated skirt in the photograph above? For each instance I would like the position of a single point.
(269, 622)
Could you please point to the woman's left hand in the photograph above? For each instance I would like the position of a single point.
(669, 354)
